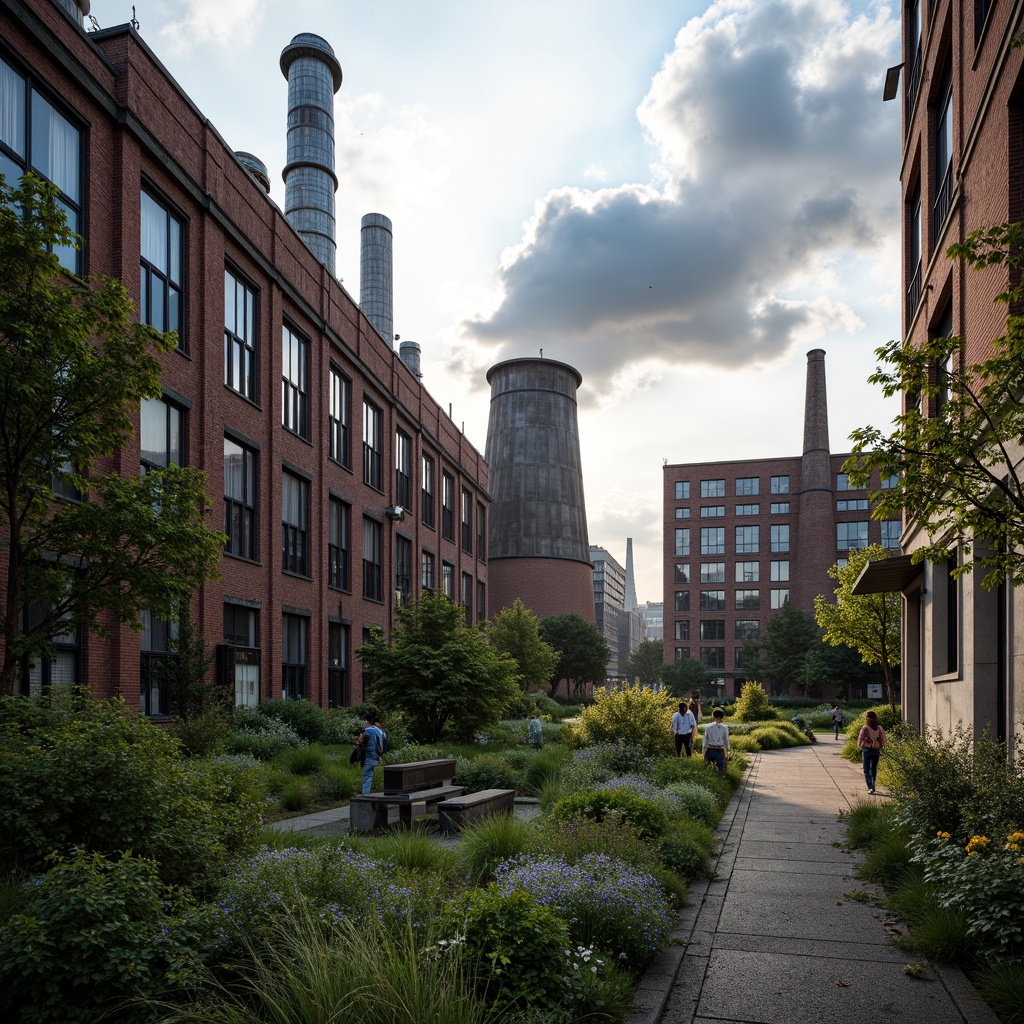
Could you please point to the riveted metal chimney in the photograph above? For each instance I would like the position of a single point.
(314, 76)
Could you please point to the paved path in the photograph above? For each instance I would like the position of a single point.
(775, 939)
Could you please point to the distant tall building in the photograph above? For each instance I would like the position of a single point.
(538, 549)
(743, 538)
(653, 614)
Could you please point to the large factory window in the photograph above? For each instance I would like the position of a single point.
(240, 317)
(162, 268)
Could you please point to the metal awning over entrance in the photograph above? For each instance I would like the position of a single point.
(887, 575)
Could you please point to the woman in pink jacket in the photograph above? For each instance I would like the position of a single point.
(871, 739)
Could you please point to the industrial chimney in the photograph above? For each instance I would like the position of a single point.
(538, 549)
(375, 289)
(409, 353)
(314, 76)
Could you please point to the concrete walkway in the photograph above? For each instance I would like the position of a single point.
(776, 937)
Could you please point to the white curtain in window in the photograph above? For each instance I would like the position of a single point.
(12, 110)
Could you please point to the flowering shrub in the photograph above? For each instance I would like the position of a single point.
(261, 736)
(331, 880)
(518, 945)
(645, 816)
(692, 801)
(687, 847)
(574, 838)
(630, 714)
(91, 933)
(607, 903)
(753, 705)
(983, 879)
(601, 762)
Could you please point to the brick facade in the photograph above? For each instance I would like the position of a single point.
(140, 131)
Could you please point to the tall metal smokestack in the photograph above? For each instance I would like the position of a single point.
(409, 353)
(375, 288)
(631, 604)
(538, 549)
(314, 76)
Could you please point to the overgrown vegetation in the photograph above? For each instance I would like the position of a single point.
(949, 851)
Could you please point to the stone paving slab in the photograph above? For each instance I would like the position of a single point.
(774, 939)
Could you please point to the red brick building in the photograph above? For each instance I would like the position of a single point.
(743, 538)
(337, 478)
(963, 169)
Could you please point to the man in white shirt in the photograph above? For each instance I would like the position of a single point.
(716, 741)
(683, 727)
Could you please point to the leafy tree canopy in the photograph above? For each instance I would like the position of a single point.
(514, 631)
(441, 672)
(684, 678)
(870, 623)
(780, 653)
(582, 651)
(954, 454)
(74, 367)
(645, 662)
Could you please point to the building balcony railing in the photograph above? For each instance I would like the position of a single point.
(943, 201)
(914, 294)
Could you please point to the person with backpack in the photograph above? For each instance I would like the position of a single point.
(871, 740)
(373, 742)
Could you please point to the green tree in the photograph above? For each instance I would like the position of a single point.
(840, 667)
(645, 662)
(514, 631)
(684, 678)
(74, 367)
(952, 457)
(870, 623)
(183, 675)
(582, 651)
(441, 672)
(780, 653)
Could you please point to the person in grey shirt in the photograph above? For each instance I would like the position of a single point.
(716, 741)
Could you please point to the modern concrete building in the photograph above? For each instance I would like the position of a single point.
(339, 482)
(743, 538)
(962, 170)
(538, 549)
(609, 606)
(653, 614)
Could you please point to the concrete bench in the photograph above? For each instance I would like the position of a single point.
(413, 788)
(455, 813)
(405, 778)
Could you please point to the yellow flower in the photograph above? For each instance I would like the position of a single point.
(1012, 846)
(942, 835)
(1015, 837)
(976, 844)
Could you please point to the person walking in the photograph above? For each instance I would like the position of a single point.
(716, 741)
(373, 750)
(535, 731)
(871, 740)
(837, 719)
(684, 725)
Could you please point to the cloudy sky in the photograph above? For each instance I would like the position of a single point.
(678, 199)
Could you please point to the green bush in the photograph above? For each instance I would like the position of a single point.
(753, 705)
(296, 795)
(304, 760)
(691, 800)
(608, 904)
(260, 735)
(336, 781)
(93, 934)
(76, 771)
(693, 769)
(629, 715)
(489, 771)
(486, 843)
(571, 839)
(204, 735)
(414, 850)
(519, 947)
(746, 743)
(308, 720)
(602, 762)
(686, 848)
(646, 817)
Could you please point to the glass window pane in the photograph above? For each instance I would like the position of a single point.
(55, 148)
(12, 113)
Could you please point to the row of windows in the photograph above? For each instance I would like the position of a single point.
(714, 629)
(747, 539)
(744, 485)
(714, 657)
(776, 508)
(744, 572)
(743, 600)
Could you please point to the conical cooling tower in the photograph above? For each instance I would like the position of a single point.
(538, 549)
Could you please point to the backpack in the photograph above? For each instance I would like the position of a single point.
(385, 743)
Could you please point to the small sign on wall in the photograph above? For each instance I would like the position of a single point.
(874, 691)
